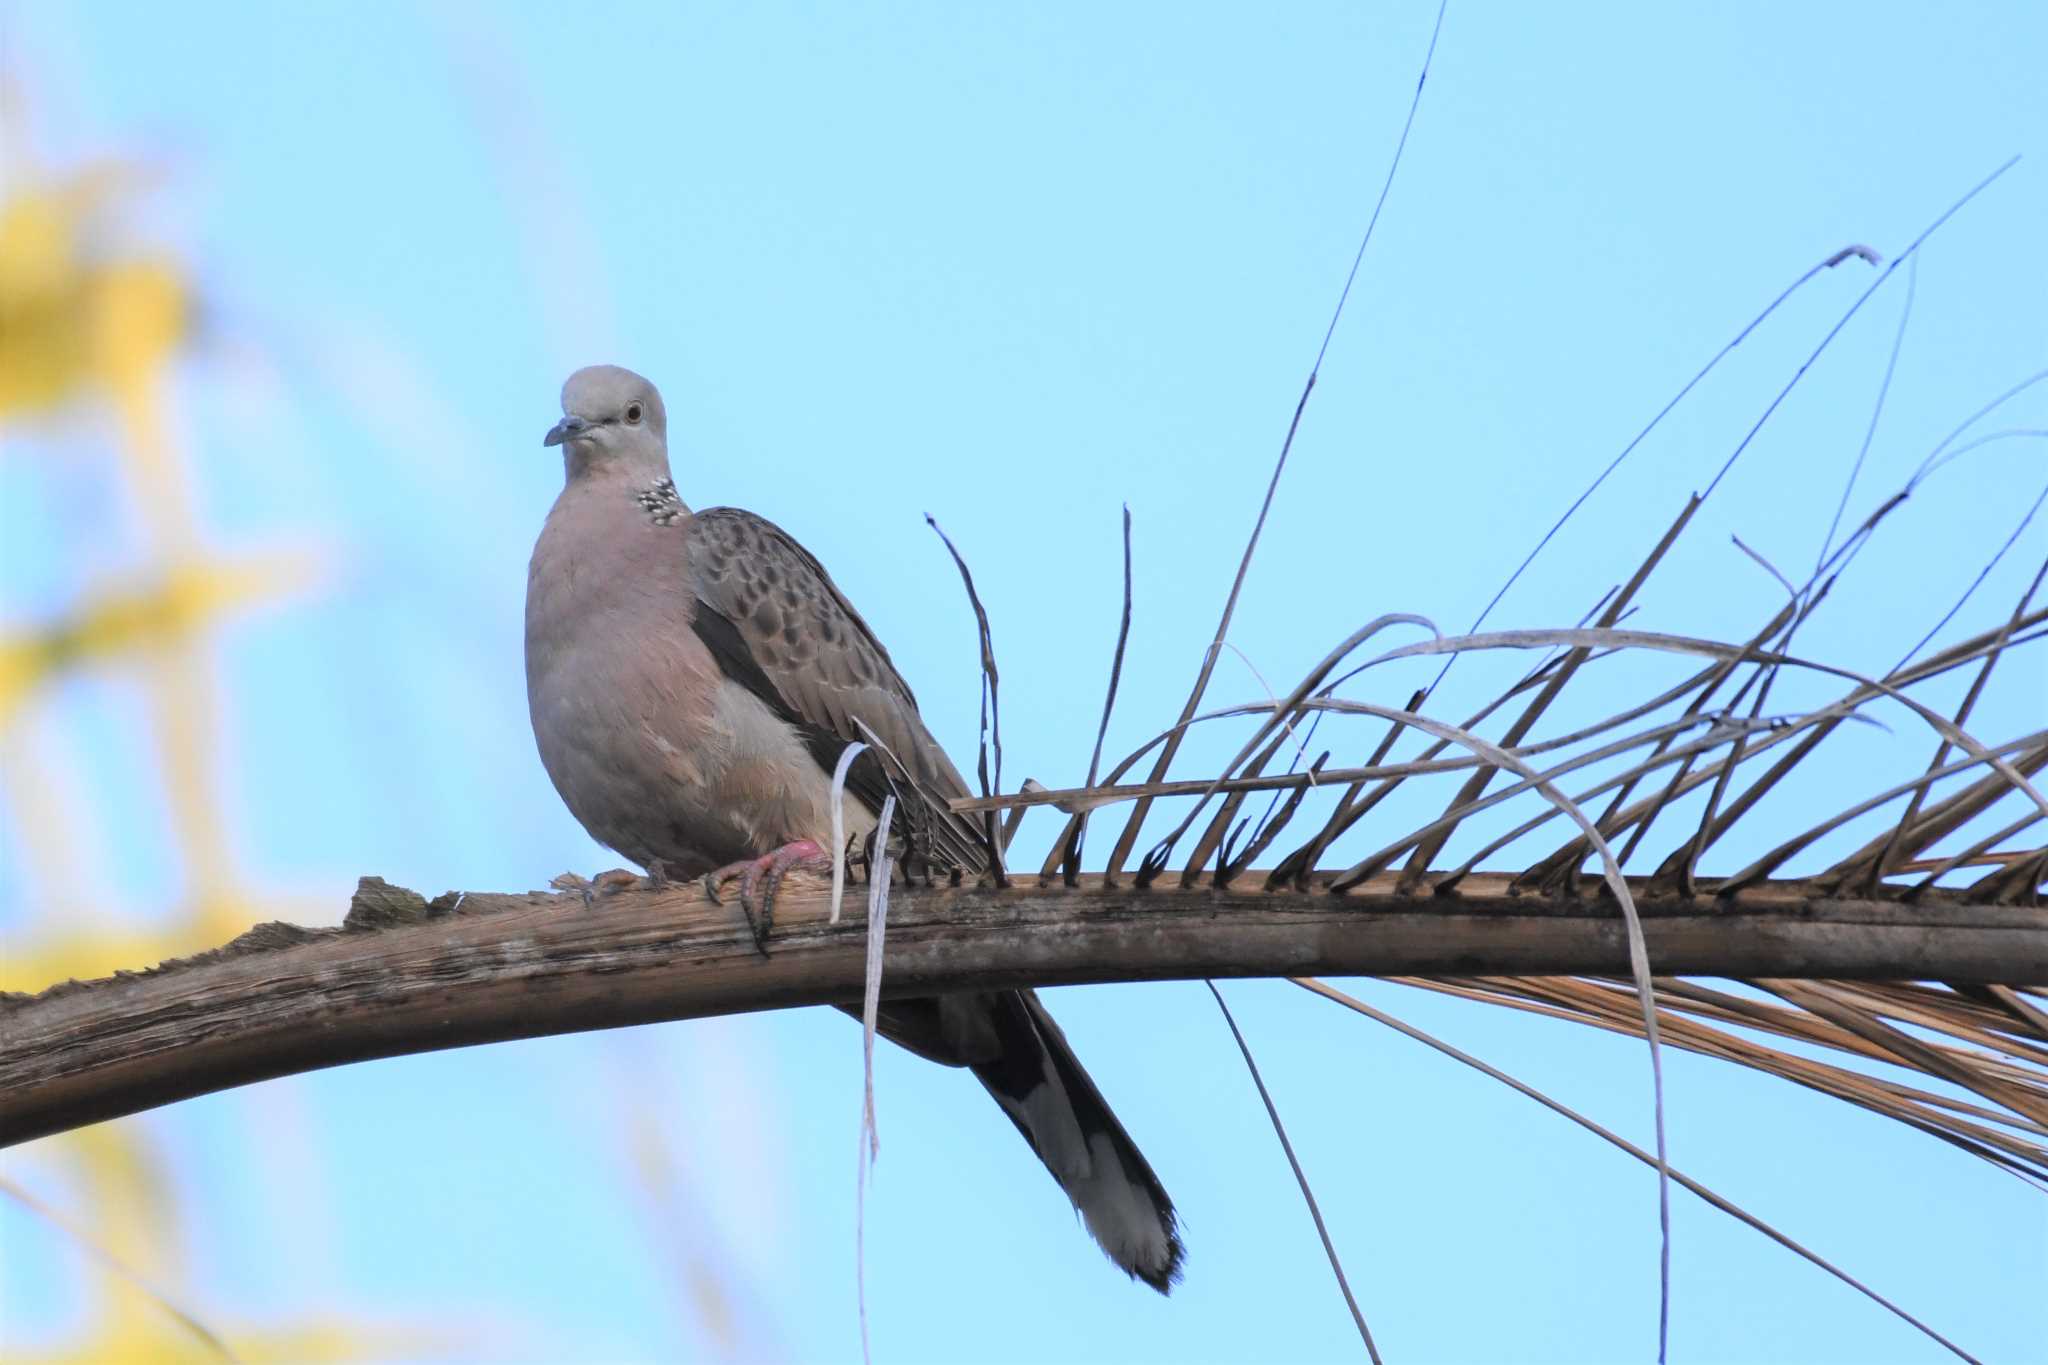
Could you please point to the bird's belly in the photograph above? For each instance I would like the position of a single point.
(658, 764)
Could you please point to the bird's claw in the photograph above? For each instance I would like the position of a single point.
(748, 872)
(760, 881)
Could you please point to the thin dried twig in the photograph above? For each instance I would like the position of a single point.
(1300, 1177)
(1726, 1206)
(1068, 851)
(991, 710)
(1129, 837)
(870, 1012)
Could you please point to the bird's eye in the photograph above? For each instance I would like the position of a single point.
(633, 413)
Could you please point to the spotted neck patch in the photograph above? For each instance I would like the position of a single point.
(660, 503)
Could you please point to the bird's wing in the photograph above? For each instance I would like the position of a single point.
(778, 625)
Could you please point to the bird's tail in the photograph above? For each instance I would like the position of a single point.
(1041, 1086)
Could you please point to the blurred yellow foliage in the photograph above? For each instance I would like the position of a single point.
(82, 322)
(138, 620)
(70, 321)
(90, 322)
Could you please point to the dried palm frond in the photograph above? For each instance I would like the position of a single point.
(1663, 784)
(1991, 1042)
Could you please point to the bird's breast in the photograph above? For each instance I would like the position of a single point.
(622, 697)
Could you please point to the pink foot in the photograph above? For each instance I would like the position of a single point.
(761, 878)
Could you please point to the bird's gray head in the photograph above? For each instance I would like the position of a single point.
(611, 416)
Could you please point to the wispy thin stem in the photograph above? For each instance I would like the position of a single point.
(1129, 837)
(120, 1269)
(1733, 1210)
(1891, 366)
(1300, 1178)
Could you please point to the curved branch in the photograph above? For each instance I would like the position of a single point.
(402, 975)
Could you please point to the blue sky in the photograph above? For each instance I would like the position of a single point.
(1016, 268)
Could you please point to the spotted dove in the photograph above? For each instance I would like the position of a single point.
(693, 678)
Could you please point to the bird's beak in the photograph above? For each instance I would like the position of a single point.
(568, 429)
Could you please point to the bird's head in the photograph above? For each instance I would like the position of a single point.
(611, 417)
